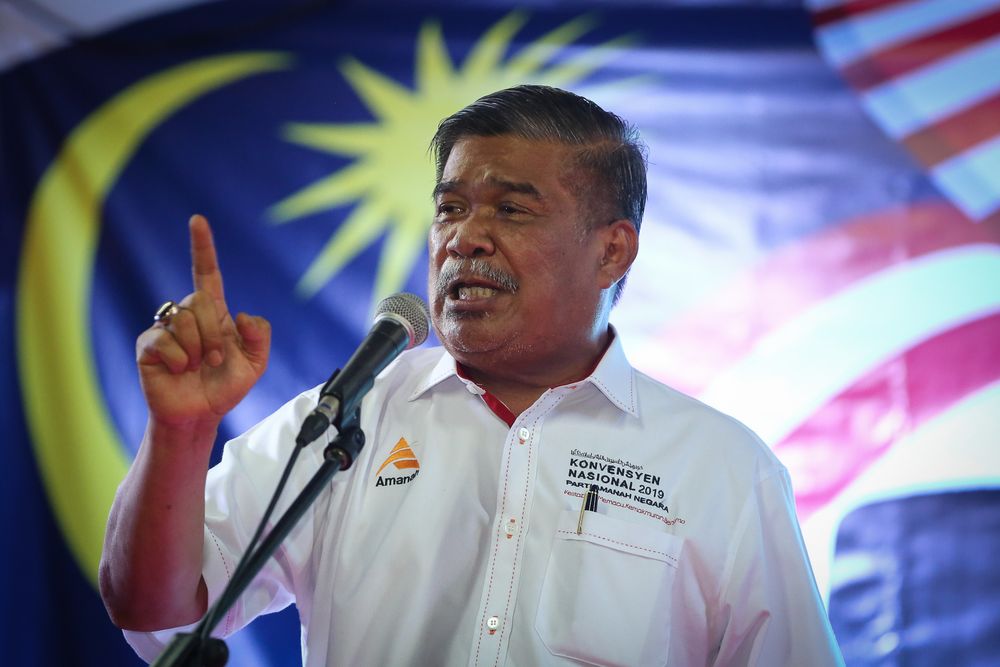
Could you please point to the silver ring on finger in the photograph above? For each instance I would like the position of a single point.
(166, 311)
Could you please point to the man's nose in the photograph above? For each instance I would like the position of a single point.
(471, 237)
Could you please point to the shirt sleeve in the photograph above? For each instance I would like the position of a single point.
(770, 608)
(236, 495)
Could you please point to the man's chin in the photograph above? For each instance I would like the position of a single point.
(465, 346)
(470, 337)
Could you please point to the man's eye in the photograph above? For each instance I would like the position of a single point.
(448, 209)
(508, 209)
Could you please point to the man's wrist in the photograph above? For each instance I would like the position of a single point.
(198, 433)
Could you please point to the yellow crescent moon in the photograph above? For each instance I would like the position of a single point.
(77, 446)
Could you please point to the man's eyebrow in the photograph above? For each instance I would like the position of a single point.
(525, 188)
(445, 187)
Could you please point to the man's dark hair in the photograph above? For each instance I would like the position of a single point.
(611, 153)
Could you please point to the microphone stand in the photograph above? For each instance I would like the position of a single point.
(199, 648)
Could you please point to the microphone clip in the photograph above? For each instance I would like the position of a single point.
(326, 412)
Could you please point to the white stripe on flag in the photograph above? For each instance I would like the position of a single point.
(972, 179)
(929, 94)
(797, 368)
(854, 38)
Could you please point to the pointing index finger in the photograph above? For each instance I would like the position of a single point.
(204, 263)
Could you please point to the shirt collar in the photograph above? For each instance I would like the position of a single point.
(613, 377)
(441, 371)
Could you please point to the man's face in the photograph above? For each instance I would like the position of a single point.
(514, 269)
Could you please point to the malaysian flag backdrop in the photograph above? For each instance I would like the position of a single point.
(929, 73)
(820, 257)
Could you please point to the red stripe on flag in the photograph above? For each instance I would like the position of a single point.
(991, 220)
(849, 9)
(903, 58)
(957, 133)
(694, 349)
(847, 435)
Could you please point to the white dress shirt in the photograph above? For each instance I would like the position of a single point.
(455, 538)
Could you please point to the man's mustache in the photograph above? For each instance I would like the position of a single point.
(472, 268)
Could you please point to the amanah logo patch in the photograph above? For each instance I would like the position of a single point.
(402, 459)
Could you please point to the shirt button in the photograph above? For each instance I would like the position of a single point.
(492, 623)
(523, 435)
(511, 528)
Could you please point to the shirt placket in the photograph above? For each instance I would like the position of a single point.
(516, 483)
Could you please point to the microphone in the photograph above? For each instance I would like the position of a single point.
(401, 322)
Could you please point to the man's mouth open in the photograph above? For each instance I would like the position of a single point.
(473, 292)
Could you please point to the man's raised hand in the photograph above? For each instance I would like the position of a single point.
(198, 364)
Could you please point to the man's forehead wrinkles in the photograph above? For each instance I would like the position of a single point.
(494, 182)
(523, 188)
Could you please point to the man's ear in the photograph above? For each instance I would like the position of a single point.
(620, 240)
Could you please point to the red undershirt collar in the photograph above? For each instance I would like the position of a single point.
(492, 402)
(495, 404)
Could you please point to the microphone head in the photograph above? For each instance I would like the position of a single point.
(410, 311)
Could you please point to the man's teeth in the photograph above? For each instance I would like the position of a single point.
(475, 292)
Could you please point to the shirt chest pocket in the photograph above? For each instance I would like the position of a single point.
(606, 595)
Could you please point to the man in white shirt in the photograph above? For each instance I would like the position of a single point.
(462, 534)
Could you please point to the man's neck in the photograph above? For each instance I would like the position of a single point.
(519, 388)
